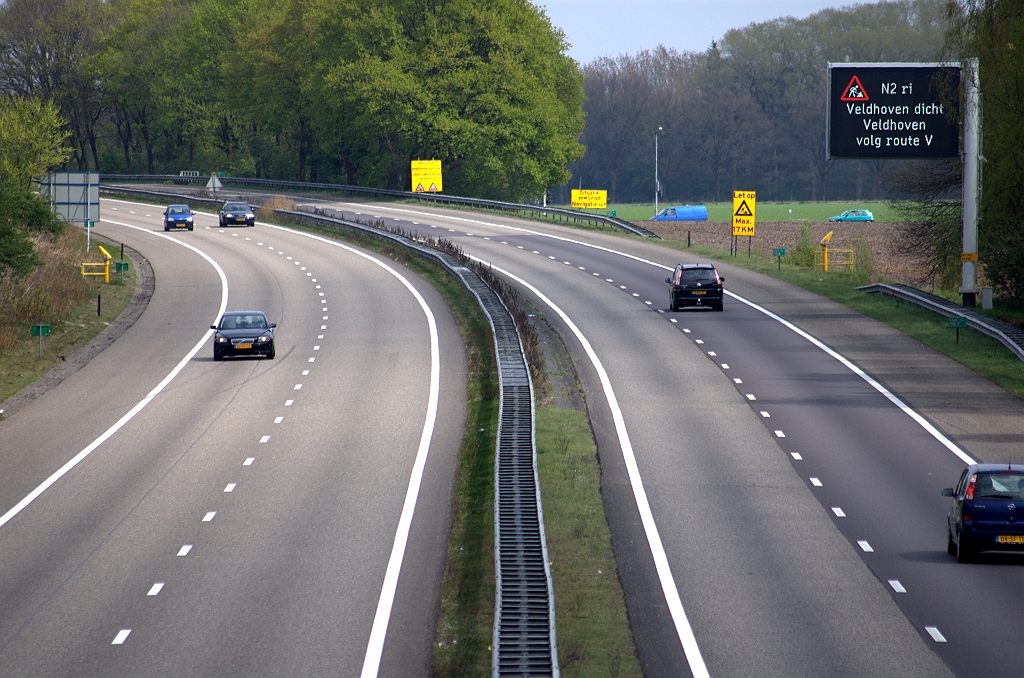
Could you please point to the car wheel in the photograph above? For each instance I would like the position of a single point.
(950, 544)
(217, 357)
(964, 554)
(190, 228)
(272, 354)
(167, 228)
(720, 306)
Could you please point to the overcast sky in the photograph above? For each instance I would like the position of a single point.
(598, 28)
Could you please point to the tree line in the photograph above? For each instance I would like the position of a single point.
(748, 113)
(322, 90)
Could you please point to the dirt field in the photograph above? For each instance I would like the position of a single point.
(880, 237)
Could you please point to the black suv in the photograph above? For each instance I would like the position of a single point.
(695, 285)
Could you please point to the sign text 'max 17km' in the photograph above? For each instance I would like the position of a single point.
(891, 111)
(744, 212)
(426, 176)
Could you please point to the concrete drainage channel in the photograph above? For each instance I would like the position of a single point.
(524, 612)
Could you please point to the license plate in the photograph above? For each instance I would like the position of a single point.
(241, 219)
(243, 345)
(700, 292)
(1010, 539)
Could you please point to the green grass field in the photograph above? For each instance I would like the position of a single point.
(766, 211)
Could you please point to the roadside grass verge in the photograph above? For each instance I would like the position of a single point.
(69, 309)
(976, 351)
(594, 637)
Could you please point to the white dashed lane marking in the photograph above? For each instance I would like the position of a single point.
(866, 547)
(278, 420)
(712, 354)
(155, 588)
(936, 635)
(815, 482)
(737, 381)
(248, 461)
(121, 636)
(779, 434)
(698, 341)
(897, 586)
(750, 396)
(796, 455)
(298, 387)
(209, 516)
(305, 373)
(312, 360)
(288, 403)
(765, 414)
(183, 551)
(264, 439)
(839, 512)
(725, 366)
(230, 487)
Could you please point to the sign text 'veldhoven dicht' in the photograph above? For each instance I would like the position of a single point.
(890, 111)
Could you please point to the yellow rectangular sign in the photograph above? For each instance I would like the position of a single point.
(969, 256)
(426, 176)
(744, 212)
(588, 199)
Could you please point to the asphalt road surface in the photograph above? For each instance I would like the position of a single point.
(244, 517)
(772, 474)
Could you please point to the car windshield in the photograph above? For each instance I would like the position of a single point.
(243, 322)
(236, 207)
(696, 274)
(999, 486)
(177, 210)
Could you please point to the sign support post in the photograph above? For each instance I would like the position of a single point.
(972, 187)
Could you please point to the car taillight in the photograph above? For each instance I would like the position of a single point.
(970, 487)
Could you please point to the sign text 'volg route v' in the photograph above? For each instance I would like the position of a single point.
(891, 111)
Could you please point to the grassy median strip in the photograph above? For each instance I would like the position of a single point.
(593, 632)
(975, 351)
(66, 303)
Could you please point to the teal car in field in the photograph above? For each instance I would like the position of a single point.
(854, 215)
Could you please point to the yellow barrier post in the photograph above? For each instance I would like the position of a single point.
(824, 249)
(87, 265)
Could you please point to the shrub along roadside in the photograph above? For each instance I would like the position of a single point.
(55, 294)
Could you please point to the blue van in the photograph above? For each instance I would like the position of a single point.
(682, 213)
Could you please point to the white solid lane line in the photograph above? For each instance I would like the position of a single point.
(74, 461)
(668, 583)
(378, 632)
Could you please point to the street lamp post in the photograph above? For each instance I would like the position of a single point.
(657, 186)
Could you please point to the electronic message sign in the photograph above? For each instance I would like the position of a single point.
(891, 111)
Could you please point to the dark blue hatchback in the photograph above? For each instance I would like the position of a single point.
(988, 510)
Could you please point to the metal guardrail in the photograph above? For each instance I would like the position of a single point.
(1009, 336)
(439, 198)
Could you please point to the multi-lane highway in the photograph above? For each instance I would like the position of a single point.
(163, 514)
(771, 473)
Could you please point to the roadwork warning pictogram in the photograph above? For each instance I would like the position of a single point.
(743, 210)
(854, 91)
(419, 188)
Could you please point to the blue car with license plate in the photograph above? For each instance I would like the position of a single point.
(987, 512)
(178, 216)
(854, 215)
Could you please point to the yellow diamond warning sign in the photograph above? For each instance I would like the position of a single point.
(744, 211)
(426, 176)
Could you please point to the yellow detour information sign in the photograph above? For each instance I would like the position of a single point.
(426, 176)
(744, 209)
(589, 199)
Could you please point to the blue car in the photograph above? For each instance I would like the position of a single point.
(682, 213)
(178, 216)
(987, 512)
(854, 215)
